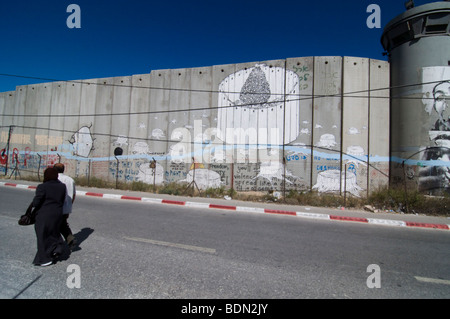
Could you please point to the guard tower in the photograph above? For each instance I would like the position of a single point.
(418, 45)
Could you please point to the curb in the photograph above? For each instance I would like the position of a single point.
(375, 221)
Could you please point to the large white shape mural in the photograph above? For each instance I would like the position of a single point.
(257, 98)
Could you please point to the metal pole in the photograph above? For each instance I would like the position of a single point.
(117, 170)
(284, 129)
(368, 134)
(345, 186)
(7, 149)
(312, 127)
(342, 126)
(154, 180)
(89, 172)
(153, 167)
(232, 179)
(39, 166)
(406, 191)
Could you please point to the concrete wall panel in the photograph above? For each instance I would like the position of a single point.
(160, 127)
(102, 127)
(120, 123)
(23, 137)
(139, 108)
(327, 124)
(57, 111)
(379, 133)
(179, 125)
(82, 141)
(71, 122)
(41, 95)
(2, 106)
(120, 136)
(355, 130)
(6, 108)
(298, 153)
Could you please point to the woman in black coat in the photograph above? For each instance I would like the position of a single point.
(49, 201)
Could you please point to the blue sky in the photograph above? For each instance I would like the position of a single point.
(126, 37)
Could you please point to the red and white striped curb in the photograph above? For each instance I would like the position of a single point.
(376, 221)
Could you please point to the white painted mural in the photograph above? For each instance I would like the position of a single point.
(262, 98)
(435, 173)
(234, 121)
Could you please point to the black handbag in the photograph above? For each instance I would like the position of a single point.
(29, 218)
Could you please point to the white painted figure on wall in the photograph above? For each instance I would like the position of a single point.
(335, 181)
(259, 98)
(435, 175)
(148, 175)
(255, 104)
(82, 142)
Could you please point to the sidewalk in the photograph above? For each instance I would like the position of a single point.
(346, 215)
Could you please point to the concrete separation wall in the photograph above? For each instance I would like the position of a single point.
(308, 123)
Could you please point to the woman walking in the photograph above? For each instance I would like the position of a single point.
(49, 201)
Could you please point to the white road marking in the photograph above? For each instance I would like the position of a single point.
(433, 280)
(168, 244)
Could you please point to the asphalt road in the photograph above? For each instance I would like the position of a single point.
(141, 250)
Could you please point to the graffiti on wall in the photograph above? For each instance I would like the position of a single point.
(21, 155)
(263, 98)
(436, 93)
(82, 142)
(255, 104)
(258, 115)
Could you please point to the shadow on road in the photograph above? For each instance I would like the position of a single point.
(81, 236)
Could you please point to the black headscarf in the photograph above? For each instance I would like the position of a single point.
(50, 174)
